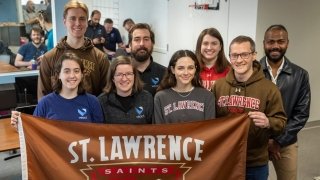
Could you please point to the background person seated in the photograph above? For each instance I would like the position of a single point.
(113, 38)
(26, 87)
(32, 50)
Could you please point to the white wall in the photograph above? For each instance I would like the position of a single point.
(186, 23)
(155, 13)
(235, 17)
(302, 20)
(59, 30)
(242, 19)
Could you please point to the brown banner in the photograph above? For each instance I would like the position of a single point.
(213, 149)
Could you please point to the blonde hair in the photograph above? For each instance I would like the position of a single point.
(75, 4)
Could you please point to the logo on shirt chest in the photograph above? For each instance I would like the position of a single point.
(139, 112)
(83, 113)
(155, 81)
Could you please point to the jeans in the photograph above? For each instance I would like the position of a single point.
(257, 173)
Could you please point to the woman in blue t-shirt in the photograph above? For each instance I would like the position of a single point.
(69, 101)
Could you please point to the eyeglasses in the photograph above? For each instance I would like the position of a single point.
(244, 55)
(121, 75)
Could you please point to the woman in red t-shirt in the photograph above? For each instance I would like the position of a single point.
(210, 53)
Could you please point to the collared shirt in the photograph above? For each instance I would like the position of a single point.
(112, 39)
(274, 79)
(152, 76)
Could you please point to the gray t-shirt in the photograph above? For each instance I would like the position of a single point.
(173, 107)
(27, 16)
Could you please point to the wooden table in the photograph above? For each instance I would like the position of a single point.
(6, 68)
(9, 137)
(8, 73)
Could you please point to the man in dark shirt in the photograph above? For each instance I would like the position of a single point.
(33, 50)
(113, 38)
(141, 41)
(96, 31)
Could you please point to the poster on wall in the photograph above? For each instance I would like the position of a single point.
(206, 4)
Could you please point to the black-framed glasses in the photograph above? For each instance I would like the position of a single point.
(244, 55)
(121, 75)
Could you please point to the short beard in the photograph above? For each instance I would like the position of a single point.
(275, 60)
(36, 43)
(141, 58)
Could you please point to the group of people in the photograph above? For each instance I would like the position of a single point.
(105, 37)
(38, 23)
(78, 83)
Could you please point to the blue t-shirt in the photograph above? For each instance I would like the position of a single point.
(49, 42)
(112, 39)
(83, 108)
(29, 51)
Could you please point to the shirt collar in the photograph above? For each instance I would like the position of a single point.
(274, 79)
(280, 68)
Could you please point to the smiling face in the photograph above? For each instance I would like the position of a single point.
(124, 79)
(70, 75)
(184, 71)
(210, 48)
(275, 44)
(241, 58)
(36, 37)
(76, 22)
